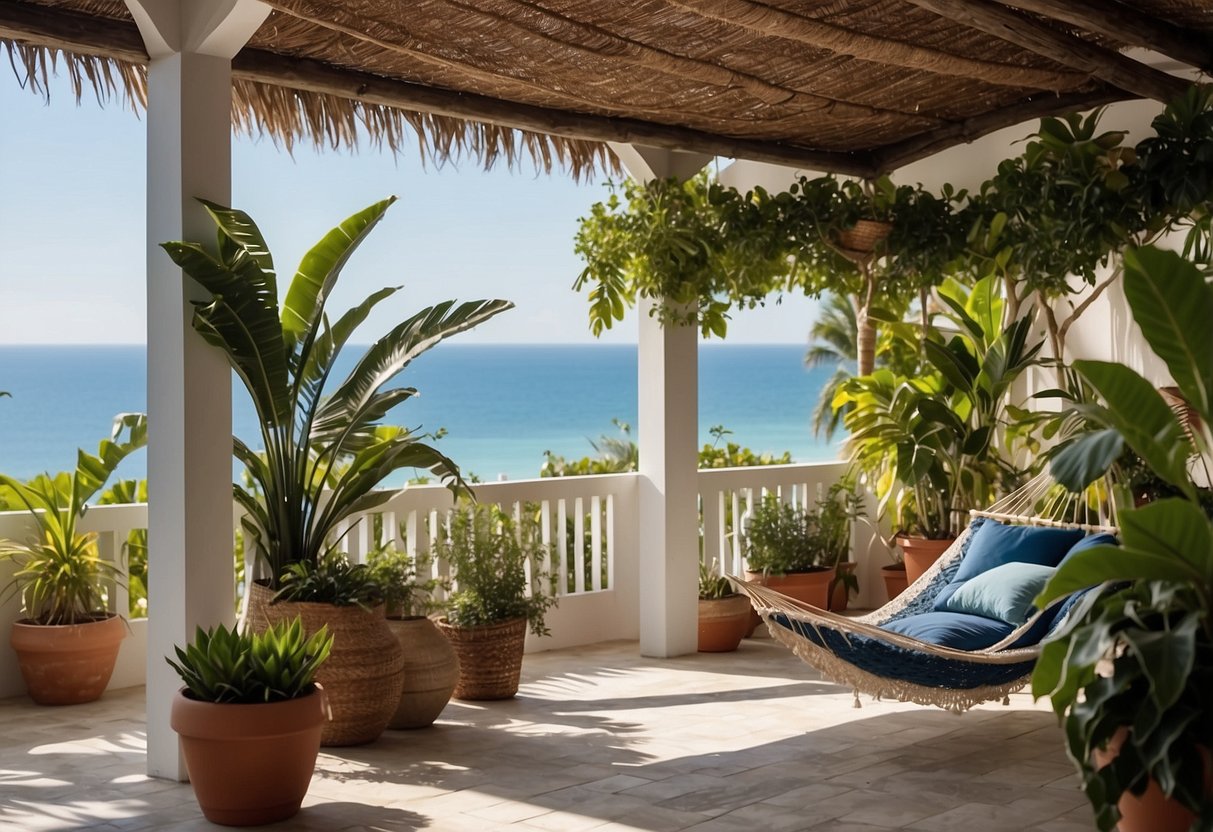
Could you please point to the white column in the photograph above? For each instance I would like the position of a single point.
(190, 574)
(668, 398)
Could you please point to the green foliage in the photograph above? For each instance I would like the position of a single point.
(939, 444)
(60, 571)
(1137, 652)
(325, 450)
(693, 243)
(134, 548)
(226, 666)
(332, 580)
(406, 582)
(782, 538)
(712, 585)
(497, 567)
(620, 454)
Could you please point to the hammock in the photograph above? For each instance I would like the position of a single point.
(860, 653)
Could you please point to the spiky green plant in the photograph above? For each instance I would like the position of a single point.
(325, 450)
(60, 572)
(225, 665)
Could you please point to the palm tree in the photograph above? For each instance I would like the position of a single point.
(836, 343)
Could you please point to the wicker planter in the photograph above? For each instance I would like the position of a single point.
(67, 664)
(921, 553)
(362, 678)
(864, 236)
(490, 658)
(431, 671)
(249, 764)
(722, 623)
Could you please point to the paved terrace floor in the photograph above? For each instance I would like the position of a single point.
(599, 739)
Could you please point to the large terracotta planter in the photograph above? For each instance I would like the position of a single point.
(810, 587)
(67, 664)
(722, 623)
(839, 595)
(431, 670)
(895, 581)
(249, 764)
(1152, 810)
(362, 677)
(921, 553)
(490, 658)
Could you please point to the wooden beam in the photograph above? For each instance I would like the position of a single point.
(315, 76)
(821, 34)
(1069, 50)
(71, 32)
(893, 156)
(1125, 23)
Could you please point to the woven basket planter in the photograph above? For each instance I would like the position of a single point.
(864, 236)
(362, 678)
(431, 671)
(490, 658)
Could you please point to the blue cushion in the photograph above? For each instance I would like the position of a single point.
(1004, 593)
(994, 544)
(951, 629)
(1101, 539)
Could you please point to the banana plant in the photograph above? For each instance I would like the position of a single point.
(325, 450)
(1135, 658)
(60, 571)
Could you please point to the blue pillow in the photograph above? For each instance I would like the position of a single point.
(1004, 593)
(1101, 539)
(951, 629)
(994, 544)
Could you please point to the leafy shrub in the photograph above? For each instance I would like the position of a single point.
(334, 580)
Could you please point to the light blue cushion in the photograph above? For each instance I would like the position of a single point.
(951, 629)
(994, 544)
(1003, 593)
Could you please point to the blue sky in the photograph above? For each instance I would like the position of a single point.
(72, 231)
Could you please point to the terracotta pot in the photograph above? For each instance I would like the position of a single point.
(490, 658)
(810, 587)
(362, 677)
(1152, 810)
(67, 664)
(839, 595)
(249, 764)
(895, 581)
(431, 671)
(722, 623)
(921, 553)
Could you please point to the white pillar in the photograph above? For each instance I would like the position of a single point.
(190, 574)
(668, 399)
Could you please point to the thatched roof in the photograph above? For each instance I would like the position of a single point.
(858, 87)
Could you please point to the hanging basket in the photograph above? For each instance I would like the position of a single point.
(490, 658)
(363, 675)
(861, 240)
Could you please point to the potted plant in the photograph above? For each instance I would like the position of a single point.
(1128, 673)
(325, 449)
(249, 718)
(68, 641)
(797, 550)
(431, 668)
(724, 614)
(500, 591)
(940, 444)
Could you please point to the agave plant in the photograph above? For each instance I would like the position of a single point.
(325, 449)
(60, 571)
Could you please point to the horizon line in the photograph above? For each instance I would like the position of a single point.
(712, 343)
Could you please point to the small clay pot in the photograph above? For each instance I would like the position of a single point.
(921, 553)
(67, 664)
(812, 588)
(249, 764)
(895, 581)
(840, 596)
(722, 623)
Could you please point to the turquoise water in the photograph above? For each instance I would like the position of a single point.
(502, 406)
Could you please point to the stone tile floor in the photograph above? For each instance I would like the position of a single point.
(601, 739)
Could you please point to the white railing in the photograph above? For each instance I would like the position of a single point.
(588, 523)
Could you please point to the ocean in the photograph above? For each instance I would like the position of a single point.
(502, 406)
